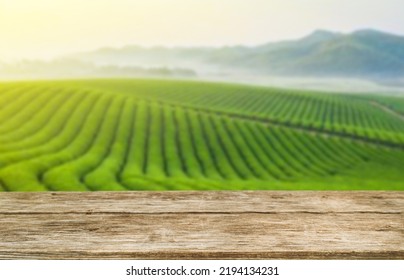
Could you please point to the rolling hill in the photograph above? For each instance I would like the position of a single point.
(366, 54)
(180, 135)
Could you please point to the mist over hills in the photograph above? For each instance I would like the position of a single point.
(74, 68)
(364, 54)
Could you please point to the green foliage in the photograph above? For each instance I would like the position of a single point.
(163, 135)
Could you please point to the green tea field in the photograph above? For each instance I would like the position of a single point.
(99, 135)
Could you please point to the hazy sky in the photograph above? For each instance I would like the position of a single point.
(44, 28)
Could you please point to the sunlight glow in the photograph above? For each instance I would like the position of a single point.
(44, 28)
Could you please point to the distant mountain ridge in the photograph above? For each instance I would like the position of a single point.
(365, 53)
(362, 54)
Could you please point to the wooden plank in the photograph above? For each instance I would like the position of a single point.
(202, 202)
(202, 225)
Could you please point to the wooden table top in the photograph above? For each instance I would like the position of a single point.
(202, 225)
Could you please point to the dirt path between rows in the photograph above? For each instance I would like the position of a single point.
(387, 110)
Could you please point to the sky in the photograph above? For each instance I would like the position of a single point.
(47, 28)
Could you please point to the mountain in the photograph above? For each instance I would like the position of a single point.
(367, 54)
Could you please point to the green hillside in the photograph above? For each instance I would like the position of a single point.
(167, 135)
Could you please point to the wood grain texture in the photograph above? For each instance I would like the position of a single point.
(202, 225)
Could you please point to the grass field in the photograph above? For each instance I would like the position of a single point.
(167, 135)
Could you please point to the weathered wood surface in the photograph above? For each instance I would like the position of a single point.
(202, 225)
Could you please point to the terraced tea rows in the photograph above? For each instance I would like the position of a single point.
(328, 112)
(165, 135)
